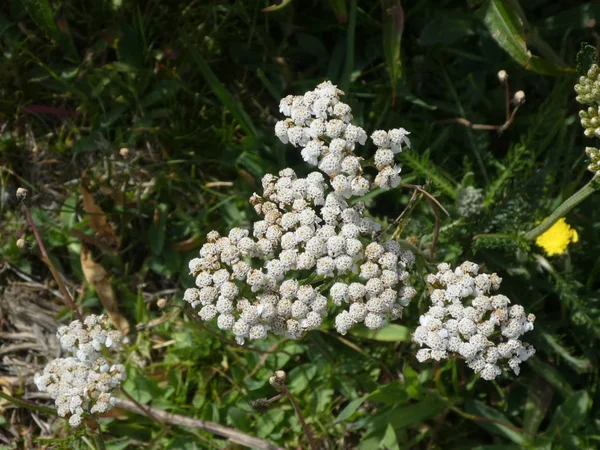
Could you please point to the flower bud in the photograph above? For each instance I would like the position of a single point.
(519, 97)
(502, 76)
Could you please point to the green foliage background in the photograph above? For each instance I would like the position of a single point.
(191, 89)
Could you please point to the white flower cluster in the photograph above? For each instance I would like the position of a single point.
(594, 155)
(321, 124)
(588, 93)
(310, 247)
(588, 88)
(450, 326)
(83, 382)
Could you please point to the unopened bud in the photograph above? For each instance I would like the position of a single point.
(502, 76)
(278, 380)
(21, 243)
(519, 97)
(260, 405)
(161, 303)
(22, 195)
(124, 152)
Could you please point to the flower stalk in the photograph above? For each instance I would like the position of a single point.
(563, 209)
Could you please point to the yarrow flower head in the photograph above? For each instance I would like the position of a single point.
(320, 124)
(82, 382)
(311, 251)
(465, 319)
(557, 238)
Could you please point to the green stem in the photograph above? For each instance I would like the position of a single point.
(25, 404)
(98, 442)
(563, 209)
(96, 433)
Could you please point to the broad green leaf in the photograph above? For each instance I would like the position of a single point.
(389, 441)
(571, 414)
(494, 425)
(389, 333)
(41, 13)
(300, 377)
(269, 421)
(503, 20)
(393, 27)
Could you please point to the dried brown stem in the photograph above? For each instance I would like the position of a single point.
(305, 427)
(405, 211)
(428, 195)
(67, 297)
(478, 126)
(220, 430)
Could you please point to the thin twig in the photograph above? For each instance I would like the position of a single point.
(427, 194)
(67, 297)
(409, 206)
(478, 126)
(174, 419)
(305, 427)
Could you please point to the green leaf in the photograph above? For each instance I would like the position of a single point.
(551, 375)
(222, 94)
(389, 333)
(350, 43)
(278, 7)
(157, 231)
(539, 397)
(130, 48)
(301, 376)
(586, 58)
(269, 421)
(503, 20)
(163, 90)
(447, 28)
(389, 441)
(403, 416)
(350, 409)
(571, 414)
(41, 13)
(494, 426)
(393, 27)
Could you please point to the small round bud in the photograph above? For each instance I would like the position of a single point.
(502, 76)
(161, 303)
(22, 195)
(519, 97)
(124, 152)
(21, 243)
(278, 380)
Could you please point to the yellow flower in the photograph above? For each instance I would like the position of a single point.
(556, 239)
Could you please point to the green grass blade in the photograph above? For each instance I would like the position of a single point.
(350, 37)
(223, 95)
(393, 27)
